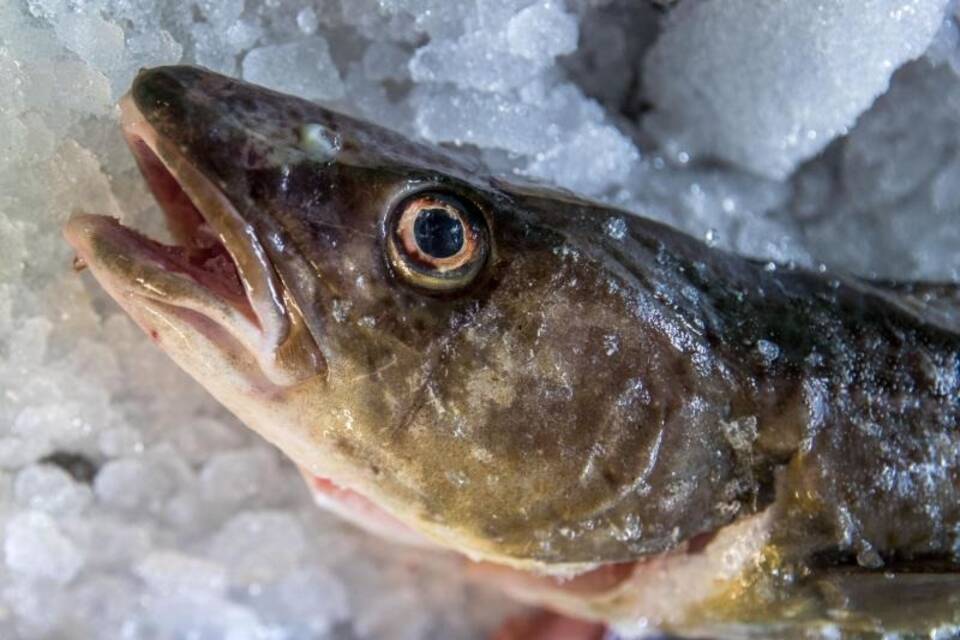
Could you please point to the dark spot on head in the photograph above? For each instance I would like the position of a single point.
(610, 477)
(154, 335)
(80, 468)
(344, 446)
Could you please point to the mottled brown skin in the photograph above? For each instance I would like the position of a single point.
(589, 398)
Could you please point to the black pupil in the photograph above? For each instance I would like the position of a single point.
(438, 234)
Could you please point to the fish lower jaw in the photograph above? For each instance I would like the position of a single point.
(179, 315)
(177, 302)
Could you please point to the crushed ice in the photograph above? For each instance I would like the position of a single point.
(190, 526)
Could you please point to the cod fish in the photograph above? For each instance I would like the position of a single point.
(603, 415)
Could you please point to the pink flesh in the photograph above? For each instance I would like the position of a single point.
(372, 518)
(549, 626)
(363, 512)
(185, 222)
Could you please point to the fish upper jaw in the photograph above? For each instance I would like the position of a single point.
(216, 284)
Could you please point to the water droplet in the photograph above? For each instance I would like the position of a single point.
(769, 351)
(616, 228)
(611, 344)
(869, 558)
(457, 478)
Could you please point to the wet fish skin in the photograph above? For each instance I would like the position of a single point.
(606, 388)
(569, 407)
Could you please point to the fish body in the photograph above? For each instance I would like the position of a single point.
(614, 419)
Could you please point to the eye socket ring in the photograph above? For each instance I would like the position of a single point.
(436, 241)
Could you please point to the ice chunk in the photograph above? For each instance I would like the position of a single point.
(877, 197)
(16, 452)
(241, 35)
(175, 573)
(121, 441)
(61, 423)
(377, 618)
(542, 31)
(609, 56)
(13, 233)
(945, 188)
(439, 18)
(201, 437)
(48, 488)
(153, 48)
(901, 143)
(211, 52)
(592, 160)
(70, 85)
(105, 606)
(235, 477)
(201, 616)
(307, 603)
(499, 58)
(307, 20)
(371, 100)
(259, 546)
(471, 62)
(385, 60)
(946, 45)
(220, 14)
(492, 15)
(134, 484)
(96, 41)
(46, 9)
(486, 120)
(562, 130)
(769, 84)
(304, 68)
(109, 542)
(35, 606)
(35, 547)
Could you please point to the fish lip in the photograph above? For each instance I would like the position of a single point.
(259, 318)
(264, 290)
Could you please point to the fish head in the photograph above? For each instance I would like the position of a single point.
(460, 351)
(511, 372)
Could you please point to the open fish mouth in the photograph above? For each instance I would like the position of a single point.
(215, 279)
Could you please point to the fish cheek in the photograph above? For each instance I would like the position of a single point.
(562, 424)
(516, 434)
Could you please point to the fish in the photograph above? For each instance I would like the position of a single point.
(600, 414)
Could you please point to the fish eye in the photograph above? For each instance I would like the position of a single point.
(437, 241)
